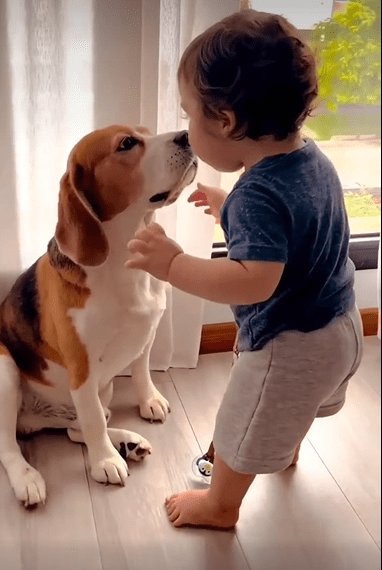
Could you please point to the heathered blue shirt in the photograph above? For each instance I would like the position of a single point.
(290, 208)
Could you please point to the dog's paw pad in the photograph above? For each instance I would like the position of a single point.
(130, 445)
(135, 450)
(126, 448)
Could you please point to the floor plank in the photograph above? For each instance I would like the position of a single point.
(201, 392)
(300, 519)
(349, 443)
(371, 363)
(132, 525)
(61, 534)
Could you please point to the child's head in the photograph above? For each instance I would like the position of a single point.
(254, 64)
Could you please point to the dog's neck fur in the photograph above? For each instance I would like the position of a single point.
(118, 231)
(71, 272)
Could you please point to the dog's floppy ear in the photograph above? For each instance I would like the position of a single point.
(79, 232)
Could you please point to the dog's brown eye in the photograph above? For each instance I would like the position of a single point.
(127, 144)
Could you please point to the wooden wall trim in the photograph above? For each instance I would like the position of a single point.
(220, 337)
(370, 321)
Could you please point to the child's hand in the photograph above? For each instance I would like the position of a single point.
(152, 251)
(211, 197)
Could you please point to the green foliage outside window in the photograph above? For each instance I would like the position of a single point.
(364, 211)
(348, 47)
(362, 204)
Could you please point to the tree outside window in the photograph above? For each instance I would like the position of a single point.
(346, 122)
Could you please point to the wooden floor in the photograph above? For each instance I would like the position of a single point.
(322, 515)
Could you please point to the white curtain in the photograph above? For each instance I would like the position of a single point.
(50, 64)
(68, 66)
(179, 22)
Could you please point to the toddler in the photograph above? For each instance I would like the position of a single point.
(247, 84)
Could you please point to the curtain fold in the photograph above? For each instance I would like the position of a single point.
(184, 312)
(10, 262)
(52, 106)
(180, 22)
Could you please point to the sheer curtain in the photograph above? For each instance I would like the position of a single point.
(9, 245)
(52, 106)
(68, 66)
(179, 22)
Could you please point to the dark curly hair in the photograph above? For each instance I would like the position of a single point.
(256, 65)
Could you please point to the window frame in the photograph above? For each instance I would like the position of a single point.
(363, 250)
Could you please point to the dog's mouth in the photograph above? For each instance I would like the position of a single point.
(164, 196)
(161, 197)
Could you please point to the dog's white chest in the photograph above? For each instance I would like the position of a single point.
(118, 321)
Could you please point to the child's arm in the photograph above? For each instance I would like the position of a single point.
(224, 280)
(220, 280)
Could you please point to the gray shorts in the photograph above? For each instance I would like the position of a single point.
(275, 393)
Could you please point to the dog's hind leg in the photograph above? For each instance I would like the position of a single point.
(27, 483)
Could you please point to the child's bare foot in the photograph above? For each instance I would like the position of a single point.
(195, 508)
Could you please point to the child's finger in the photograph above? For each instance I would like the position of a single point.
(135, 263)
(196, 196)
(149, 231)
(144, 234)
(137, 246)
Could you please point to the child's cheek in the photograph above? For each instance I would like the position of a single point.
(192, 138)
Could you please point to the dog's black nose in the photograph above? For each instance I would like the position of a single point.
(181, 139)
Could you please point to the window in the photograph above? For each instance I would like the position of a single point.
(345, 36)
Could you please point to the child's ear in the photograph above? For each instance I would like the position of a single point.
(228, 123)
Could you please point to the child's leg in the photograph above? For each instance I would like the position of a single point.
(210, 455)
(217, 506)
(296, 456)
(271, 400)
(297, 451)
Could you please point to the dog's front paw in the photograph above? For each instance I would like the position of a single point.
(155, 408)
(112, 470)
(129, 444)
(29, 487)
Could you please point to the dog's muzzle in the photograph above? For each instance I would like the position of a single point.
(183, 149)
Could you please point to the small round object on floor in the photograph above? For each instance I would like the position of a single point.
(202, 468)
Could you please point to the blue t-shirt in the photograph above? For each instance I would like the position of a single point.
(290, 208)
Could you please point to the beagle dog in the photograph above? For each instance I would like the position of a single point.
(78, 317)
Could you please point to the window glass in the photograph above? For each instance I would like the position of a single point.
(346, 124)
